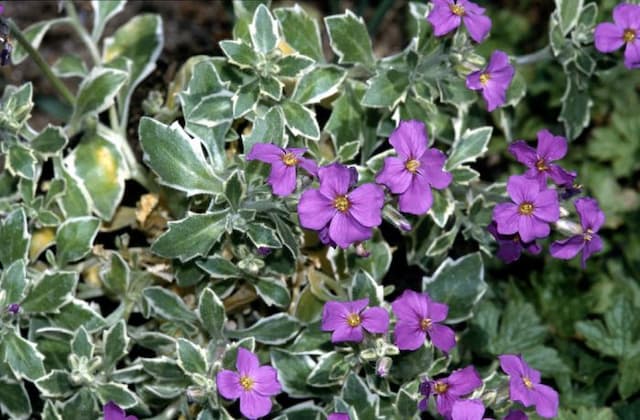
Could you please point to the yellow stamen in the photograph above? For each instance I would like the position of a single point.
(484, 78)
(588, 235)
(246, 383)
(457, 10)
(541, 165)
(341, 203)
(440, 387)
(289, 159)
(412, 165)
(629, 35)
(527, 382)
(353, 320)
(425, 324)
(525, 209)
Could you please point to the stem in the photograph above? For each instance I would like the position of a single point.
(40, 61)
(543, 54)
(381, 11)
(82, 32)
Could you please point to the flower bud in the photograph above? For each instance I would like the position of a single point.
(383, 366)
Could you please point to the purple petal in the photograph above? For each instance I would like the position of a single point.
(431, 166)
(532, 247)
(506, 217)
(516, 415)
(315, 210)
(308, 165)
(444, 403)
(591, 217)
(531, 228)
(282, 179)
(546, 401)
(266, 381)
(334, 180)
(477, 25)
(473, 80)
(356, 306)
(442, 19)
(228, 383)
(334, 314)
(265, 152)
(627, 15)
(345, 230)
(254, 405)
(632, 54)
(410, 306)
(417, 199)
(560, 176)
(499, 62)
(375, 320)
(520, 393)
(408, 336)
(546, 206)
(568, 248)
(394, 175)
(113, 412)
(512, 364)
(509, 250)
(467, 410)
(409, 139)
(436, 311)
(524, 153)
(495, 94)
(423, 404)
(470, 7)
(463, 381)
(551, 147)
(347, 333)
(591, 247)
(246, 362)
(442, 337)
(522, 189)
(608, 37)
(366, 204)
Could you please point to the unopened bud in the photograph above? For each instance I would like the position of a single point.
(383, 366)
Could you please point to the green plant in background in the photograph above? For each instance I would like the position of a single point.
(167, 309)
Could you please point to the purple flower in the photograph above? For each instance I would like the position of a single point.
(447, 15)
(525, 386)
(283, 165)
(531, 211)
(494, 80)
(589, 242)
(113, 412)
(253, 384)
(510, 246)
(263, 251)
(625, 29)
(449, 390)
(467, 410)
(338, 416)
(14, 308)
(570, 190)
(416, 170)
(348, 319)
(419, 316)
(550, 148)
(516, 415)
(349, 215)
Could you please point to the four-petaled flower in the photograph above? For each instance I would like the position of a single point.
(450, 389)
(283, 165)
(253, 384)
(510, 247)
(525, 386)
(494, 80)
(418, 317)
(625, 29)
(550, 148)
(531, 211)
(467, 410)
(347, 320)
(448, 14)
(113, 412)
(589, 242)
(417, 169)
(350, 215)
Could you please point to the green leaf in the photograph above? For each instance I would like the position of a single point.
(273, 292)
(349, 39)
(75, 314)
(50, 141)
(271, 87)
(464, 175)
(191, 237)
(16, 105)
(212, 314)
(458, 283)
(357, 395)
(22, 356)
(177, 158)
(168, 305)
(568, 12)
(82, 344)
(344, 124)
(75, 200)
(386, 90)
(576, 109)
(300, 120)
(51, 292)
(472, 145)
(14, 400)
(74, 238)
(246, 98)
(103, 11)
(321, 374)
(276, 329)
(269, 127)
(97, 91)
(13, 281)
(21, 161)
(191, 358)
(220, 268)
(263, 236)
(292, 65)
(239, 53)
(70, 65)
(115, 345)
(56, 384)
(81, 406)
(34, 34)
(517, 90)
(629, 379)
(363, 286)
(442, 208)
(116, 276)
(235, 189)
(293, 371)
(317, 84)
(263, 30)
(301, 31)
(117, 393)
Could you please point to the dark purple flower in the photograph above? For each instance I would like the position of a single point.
(516, 415)
(448, 14)
(450, 389)
(625, 29)
(283, 165)
(416, 170)
(467, 410)
(5, 54)
(350, 215)
(494, 80)
(570, 190)
(510, 246)
(525, 386)
(589, 242)
(113, 412)
(531, 211)
(253, 384)
(263, 251)
(550, 148)
(347, 320)
(338, 416)
(14, 308)
(418, 317)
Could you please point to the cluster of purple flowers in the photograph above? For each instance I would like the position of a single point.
(519, 224)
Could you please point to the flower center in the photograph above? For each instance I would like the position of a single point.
(541, 165)
(412, 165)
(484, 78)
(457, 10)
(629, 35)
(353, 320)
(425, 324)
(588, 235)
(341, 203)
(246, 383)
(525, 209)
(440, 387)
(289, 159)
(516, 238)
(527, 382)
